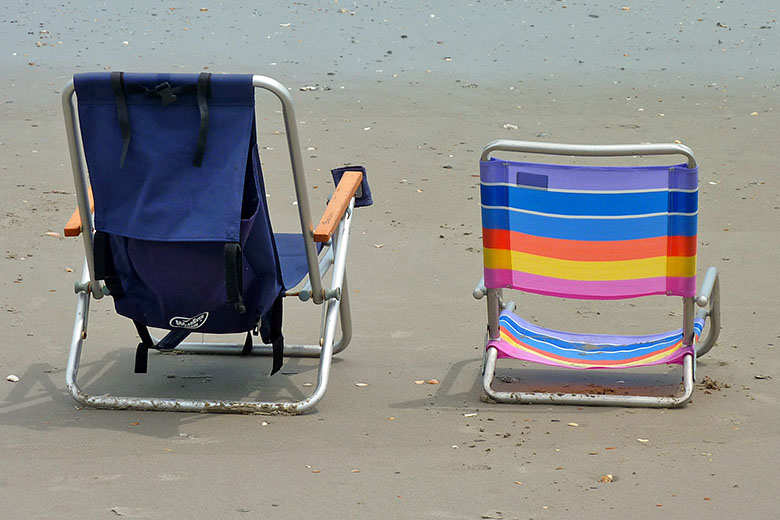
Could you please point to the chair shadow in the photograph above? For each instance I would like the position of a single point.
(445, 394)
(528, 377)
(40, 401)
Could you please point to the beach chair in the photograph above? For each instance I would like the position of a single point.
(595, 233)
(172, 210)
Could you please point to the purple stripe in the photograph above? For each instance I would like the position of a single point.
(592, 177)
(683, 178)
(590, 290)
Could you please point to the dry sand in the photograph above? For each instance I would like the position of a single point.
(413, 92)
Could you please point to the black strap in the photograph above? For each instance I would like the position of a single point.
(271, 332)
(204, 86)
(171, 340)
(142, 352)
(234, 280)
(247, 350)
(118, 85)
(104, 264)
(101, 249)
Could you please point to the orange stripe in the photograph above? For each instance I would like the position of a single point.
(587, 250)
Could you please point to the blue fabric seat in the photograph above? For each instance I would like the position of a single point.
(292, 257)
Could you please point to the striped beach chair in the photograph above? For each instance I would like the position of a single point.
(595, 233)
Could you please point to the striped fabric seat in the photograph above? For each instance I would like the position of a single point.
(589, 232)
(526, 341)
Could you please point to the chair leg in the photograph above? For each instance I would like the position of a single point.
(77, 339)
(345, 319)
(586, 399)
(709, 297)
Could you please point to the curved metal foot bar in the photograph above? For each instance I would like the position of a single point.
(197, 405)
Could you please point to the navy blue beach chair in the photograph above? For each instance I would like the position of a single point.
(176, 229)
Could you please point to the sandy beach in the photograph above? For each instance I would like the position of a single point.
(413, 91)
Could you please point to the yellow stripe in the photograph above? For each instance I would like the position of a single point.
(682, 266)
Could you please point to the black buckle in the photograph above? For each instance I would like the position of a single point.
(164, 91)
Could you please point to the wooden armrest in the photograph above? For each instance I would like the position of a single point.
(348, 186)
(73, 227)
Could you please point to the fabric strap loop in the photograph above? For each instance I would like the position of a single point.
(234, 280)
(204, 86)
(118, 85)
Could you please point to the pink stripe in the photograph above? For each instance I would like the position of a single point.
(598, 290)
(681, 286)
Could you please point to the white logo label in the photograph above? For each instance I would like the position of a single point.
(189, 323)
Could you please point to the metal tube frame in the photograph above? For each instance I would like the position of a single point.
(709, 301)
(587, 399)
(588, 150)
(336, 299)
(709, 294)
(299, 177)
(80, 181)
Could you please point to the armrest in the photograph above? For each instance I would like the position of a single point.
(73, 227)
(338, 204)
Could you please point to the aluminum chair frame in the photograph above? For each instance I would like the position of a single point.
(334, 299)
(708, 298)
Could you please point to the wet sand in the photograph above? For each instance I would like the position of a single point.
(413, 92)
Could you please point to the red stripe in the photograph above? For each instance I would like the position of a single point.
(587, 250)
(682, 246)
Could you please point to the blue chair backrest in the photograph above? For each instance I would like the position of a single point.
(179, 198)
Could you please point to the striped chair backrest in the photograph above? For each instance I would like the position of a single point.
(589, 232)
